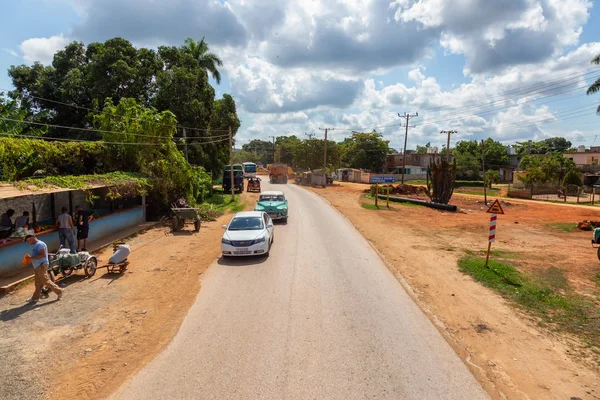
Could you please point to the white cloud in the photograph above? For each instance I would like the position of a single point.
(42, 49)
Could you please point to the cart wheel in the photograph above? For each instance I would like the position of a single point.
(90, 267)
(197, 224)
(175, 223)
(66, 271)
(598, 253)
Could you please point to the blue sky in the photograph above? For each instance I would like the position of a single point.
(295, 66)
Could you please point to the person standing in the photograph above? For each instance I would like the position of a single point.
(66, 230)
(83, 226)
(39, 259)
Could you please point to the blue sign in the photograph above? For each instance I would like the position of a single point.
(382, 179)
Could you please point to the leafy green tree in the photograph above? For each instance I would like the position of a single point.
(151, 150)
(549, 145)
(548, 168)
(285, 148)
(263, 148)
(85, 77)
(206, 60)
(365, 151)
(467, 154)
(595, 87)
(492, 177)
(423, 149)
(245, 156)
(173, 79)
(572, 178)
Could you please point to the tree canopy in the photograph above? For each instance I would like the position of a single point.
(595, 87)
(546, 146)
(75, 88)
(467, 154)
(365, 151)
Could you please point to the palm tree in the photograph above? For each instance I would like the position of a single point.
(596, 85)
(200, 52)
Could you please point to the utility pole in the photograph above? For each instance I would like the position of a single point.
(310, 135)
(483, 167)
(408, 117)
(448, 146)
(231, 165)
(325, 148)
(185, 146)
(274, 137)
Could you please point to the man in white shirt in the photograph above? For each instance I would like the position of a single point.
(23, 220)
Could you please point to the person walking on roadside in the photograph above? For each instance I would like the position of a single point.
(66, 230)
(39, 259)
(83, 226)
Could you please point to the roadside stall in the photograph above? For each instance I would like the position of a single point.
(44, 204)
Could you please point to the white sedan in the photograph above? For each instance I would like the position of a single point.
(249, 233)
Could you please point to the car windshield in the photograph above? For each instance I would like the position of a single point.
(246, 224)
(269, 197)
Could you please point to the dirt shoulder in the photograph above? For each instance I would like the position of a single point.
(505, 348)
(105, 328)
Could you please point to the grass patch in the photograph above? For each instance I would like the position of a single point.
(369, 206)
(479, 192)
(218, 204)
(555, 278)
(563, 226)
(540, 296)
(596, 278)
(494, 253)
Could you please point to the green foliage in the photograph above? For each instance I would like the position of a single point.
(150, 150)
(172, 78)
(206, 60)
(546, 146)
(21, 158)
(365, 151)
(467, 154)
(492, 177)
(120, 184)
(423, 149)
(440, 181)
(245, 156)
(263, 148)
(543, 296)
(572, 178)
(595, 87)
(548, 168)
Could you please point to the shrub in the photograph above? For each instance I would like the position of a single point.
(572, 178)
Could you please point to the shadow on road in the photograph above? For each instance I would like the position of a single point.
(13, 313)
(242, 261)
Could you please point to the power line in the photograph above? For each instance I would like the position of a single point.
(107, 113)
(95, 130)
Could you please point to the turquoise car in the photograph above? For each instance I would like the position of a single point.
(273, 203)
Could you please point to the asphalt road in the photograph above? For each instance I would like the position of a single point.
(321, 318)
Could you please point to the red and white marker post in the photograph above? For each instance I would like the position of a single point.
(494, 209)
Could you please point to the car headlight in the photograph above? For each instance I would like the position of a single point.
(260, 240)
(226, 241)
(259, 208)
